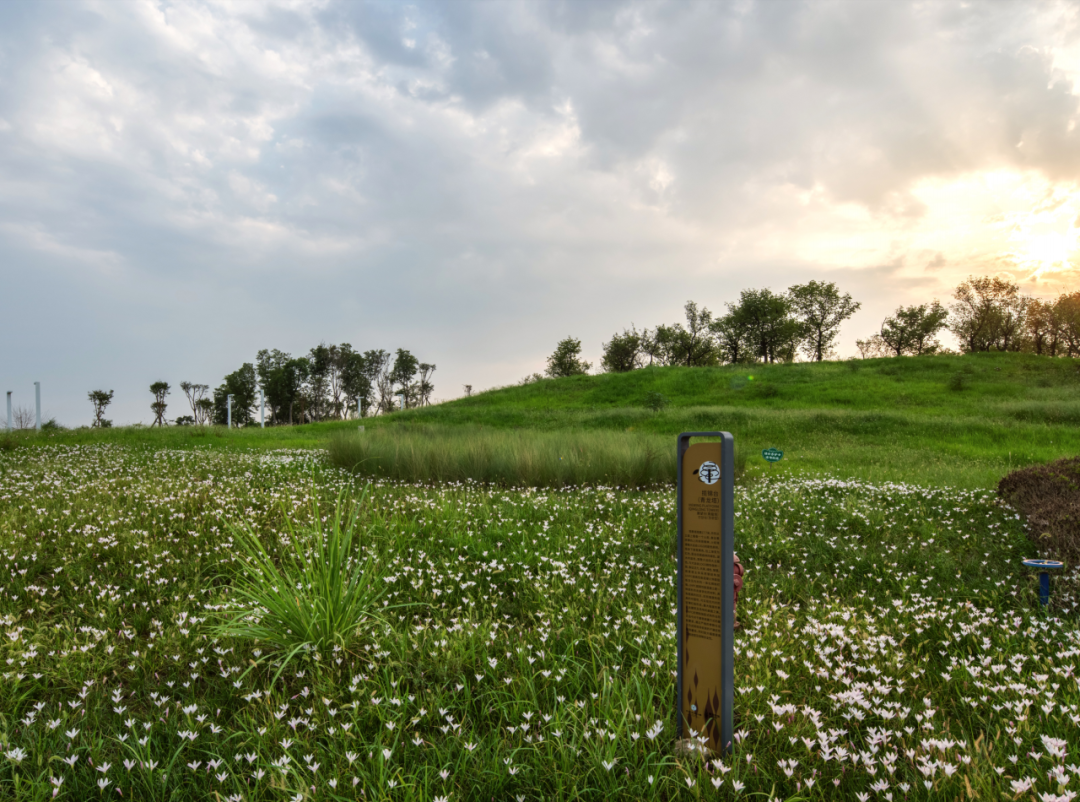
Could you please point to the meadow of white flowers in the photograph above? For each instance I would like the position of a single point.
(893, 647)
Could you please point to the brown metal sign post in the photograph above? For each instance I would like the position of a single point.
(706, 586)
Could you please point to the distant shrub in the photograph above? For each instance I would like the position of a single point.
(957, 382)
(656, 401)
(853, 365)
(1049, 498)
(52, 425)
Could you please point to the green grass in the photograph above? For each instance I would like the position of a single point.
(535, 658)
(875, 420)
(516, 458)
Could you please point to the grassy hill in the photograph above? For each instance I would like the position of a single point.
(960, 420)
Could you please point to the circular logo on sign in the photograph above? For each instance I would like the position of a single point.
(708, 473)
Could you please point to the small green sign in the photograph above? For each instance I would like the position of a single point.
(773, 454)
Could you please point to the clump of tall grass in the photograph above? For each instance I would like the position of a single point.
(318, 593)
(519, 458)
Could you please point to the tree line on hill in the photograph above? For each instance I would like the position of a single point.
(331, 382)
(988, 314)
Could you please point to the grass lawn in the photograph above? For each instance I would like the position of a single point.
(948, 420)
(523, 644)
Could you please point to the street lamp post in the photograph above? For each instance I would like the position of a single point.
(262, 410)
(228, 411)
(37, 404)
(9, 410)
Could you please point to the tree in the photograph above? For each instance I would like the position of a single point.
(988, 314)
(1068, 307)
(821, 309)
(281, 378)
(204, 411)
(340, 356)
(195, 393)
(565, 361)
(872, 347)
(25, 418)
(731, 337)
(694, 345)
(1045, 325)
(242, 384)
(100, 399)
(623, 352)
(320, 360)
(763, 321)
(661, 344)
(160, 390)
(912, 330)
(402, 375)
(424, 387)
(377, 367)
(355, 383)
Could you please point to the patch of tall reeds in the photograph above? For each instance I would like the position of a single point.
(520, 458)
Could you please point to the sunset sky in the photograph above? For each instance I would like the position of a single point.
(184, 183)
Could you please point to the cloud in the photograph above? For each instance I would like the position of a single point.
(475, 181)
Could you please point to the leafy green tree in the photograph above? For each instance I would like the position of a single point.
(100, 399)
(911, 330)
(204, 411)
(160, 390)
(243, 385)
(1045, 325)
(988, 314)
(402, 374)
(661, 344)
(694, 345)
(281, 378)
(763, 321)
(732, 338)
(1068, 308)
(623, 352)
(821, 309)
(355, 382)
(565, 361)
(320, 361)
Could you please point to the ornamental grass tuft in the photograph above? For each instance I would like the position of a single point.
(318, 593)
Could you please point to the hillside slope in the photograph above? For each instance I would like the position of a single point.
(963, 420)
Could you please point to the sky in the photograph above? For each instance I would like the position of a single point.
(185, 183)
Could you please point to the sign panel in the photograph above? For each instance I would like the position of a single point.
(773, 454)
(706, 588)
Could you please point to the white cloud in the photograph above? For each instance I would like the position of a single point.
(427, 175)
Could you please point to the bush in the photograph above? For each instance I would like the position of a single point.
(655, 401)
(1049, 498)
(319, 593)
(957, 382)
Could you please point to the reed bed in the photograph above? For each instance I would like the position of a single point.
(516, 458)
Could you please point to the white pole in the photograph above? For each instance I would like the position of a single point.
(228, 411)
(9, 410)
(358, 409)
(262, 410)
(37, 403)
